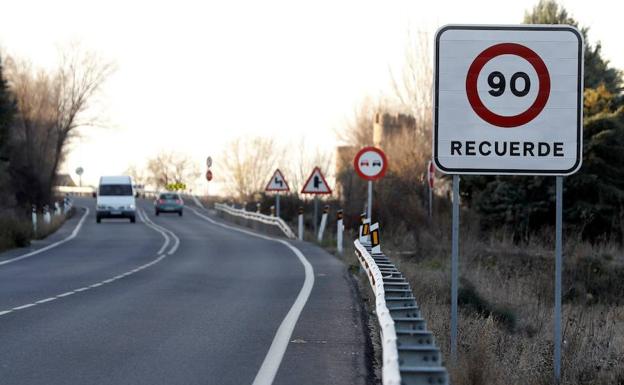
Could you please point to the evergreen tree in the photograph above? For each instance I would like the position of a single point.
(7, 113)
(593, 197)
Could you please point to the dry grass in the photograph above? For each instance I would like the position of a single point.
(514, 283)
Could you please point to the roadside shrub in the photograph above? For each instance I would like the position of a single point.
(14, 232)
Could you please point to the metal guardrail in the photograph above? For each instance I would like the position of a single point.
(266, 219)
(409, 353)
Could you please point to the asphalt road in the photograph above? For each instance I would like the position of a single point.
(175, 300)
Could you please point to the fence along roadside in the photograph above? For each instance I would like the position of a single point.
(410, 355)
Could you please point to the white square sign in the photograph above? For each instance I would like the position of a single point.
(508, 99)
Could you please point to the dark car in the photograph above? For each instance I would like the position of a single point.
(169, 202)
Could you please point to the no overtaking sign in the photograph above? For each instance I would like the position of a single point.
(508, 100)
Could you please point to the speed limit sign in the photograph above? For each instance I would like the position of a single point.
(508, 99)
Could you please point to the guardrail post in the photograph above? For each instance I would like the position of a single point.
(300, 222)
(323, 223)
(258, 206)
(57, 209)
(375, 240)
(34, 218)
(364, 230)
(272, 211)
(244, 206)
(339, 231)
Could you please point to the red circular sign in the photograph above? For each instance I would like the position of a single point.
(370, 163)
(208, 175)
(508, 49)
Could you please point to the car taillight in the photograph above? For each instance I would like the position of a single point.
(178, 201)
(161, 201)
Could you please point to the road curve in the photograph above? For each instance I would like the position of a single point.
(204, 310)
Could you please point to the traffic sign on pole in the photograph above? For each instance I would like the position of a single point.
(209, 162)
(508, 100)
(277, 183)
(370, 163)
(316, 184)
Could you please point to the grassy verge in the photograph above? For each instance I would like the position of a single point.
(506, 306)
(16, 231)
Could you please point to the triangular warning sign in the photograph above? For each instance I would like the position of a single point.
(316, 183)
(277, 182)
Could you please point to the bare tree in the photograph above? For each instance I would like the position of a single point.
(171, 167)
(302, 161)
(249, 163)
(138, 174)
(52, 107)
(413, 88)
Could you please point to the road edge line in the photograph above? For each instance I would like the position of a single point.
(273, 359)
(53, 245)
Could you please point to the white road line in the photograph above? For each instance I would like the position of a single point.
(145, 220)
(274, 356)
(197, 201)
(160, 256)
(53, 245)
(148, 221)
(46, 300)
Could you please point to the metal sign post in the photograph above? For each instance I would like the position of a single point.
(455, 268)
(315, 214)
(558, 273)
(369, 205)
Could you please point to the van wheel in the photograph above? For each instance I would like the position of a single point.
(180, 213)
(132, 219)
(98, 219)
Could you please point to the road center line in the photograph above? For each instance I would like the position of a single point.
(159, 257)
(273, 359)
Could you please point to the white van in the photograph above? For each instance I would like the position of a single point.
(115, 198)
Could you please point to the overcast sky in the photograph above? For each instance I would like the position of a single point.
(194, 74)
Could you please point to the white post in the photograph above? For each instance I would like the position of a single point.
(258, 205)
(375, 241)
(300, 220)
(57, 209)
(339, 231)
(365, 231)
(323, 224)
(34, 219)
(277, 204)
(46, 214)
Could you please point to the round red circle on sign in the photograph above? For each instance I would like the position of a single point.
(542, 94)
(359, 163)
(208, 175)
